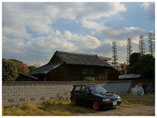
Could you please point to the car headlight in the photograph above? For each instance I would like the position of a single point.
(104, 100)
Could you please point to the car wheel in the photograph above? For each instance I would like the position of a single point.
(96, 105)
(73, 101)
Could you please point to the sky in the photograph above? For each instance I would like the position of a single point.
(32, 32)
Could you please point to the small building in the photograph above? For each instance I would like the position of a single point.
(66, 66)
(131, 76)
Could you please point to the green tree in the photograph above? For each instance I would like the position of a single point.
(146, 64)
(31, 68)
(142, 64)
(21, 67)
(133, 62)
(129, 49)
(134, 58)
(114, 54)
(9, 71)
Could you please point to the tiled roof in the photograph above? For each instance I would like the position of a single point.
(46, 68)
(71, 58)
(81, 59)
(28, 75)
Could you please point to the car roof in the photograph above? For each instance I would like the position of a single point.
(86, 85)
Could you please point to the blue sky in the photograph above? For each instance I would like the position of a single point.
(32, 32)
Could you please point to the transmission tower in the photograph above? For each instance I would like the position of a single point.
(114, 54)
(129, 49)
(141, 45)
(151, 37)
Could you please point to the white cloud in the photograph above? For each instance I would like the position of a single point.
(68, 34)
(117, 33)
(18, 33)
(39, 18)
(98, 10)
(92, 25)
(149, 8)
(21, 48)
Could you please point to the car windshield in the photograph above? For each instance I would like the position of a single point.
(97, 89)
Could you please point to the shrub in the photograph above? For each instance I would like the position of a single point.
(89, 79)
(9, 71)
(45, 105)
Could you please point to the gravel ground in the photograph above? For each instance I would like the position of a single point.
(141, 110)
(146, 108)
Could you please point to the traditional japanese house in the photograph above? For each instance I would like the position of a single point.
(66, 66)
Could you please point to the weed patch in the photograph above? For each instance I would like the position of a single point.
(46, 104)
(127, 102)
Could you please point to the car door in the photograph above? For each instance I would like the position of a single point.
(85, 96)
(77, 93)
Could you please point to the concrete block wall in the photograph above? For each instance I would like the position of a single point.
(34, 91)
(118, 86)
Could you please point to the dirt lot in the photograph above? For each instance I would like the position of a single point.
(131, 106)
(133, 110)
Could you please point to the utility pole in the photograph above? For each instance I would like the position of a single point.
(129, 49)
(114, 54)
(141, 45)
(151, 47)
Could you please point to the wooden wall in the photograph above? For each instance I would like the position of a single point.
(75, 73)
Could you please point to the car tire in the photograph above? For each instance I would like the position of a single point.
(73, 101)
(95, 105)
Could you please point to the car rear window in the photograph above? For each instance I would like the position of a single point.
(77, 88)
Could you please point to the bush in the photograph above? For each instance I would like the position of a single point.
(45, 105)
(89, 79)
(9, 71)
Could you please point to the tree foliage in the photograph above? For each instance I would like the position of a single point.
(31, 68)
(142, 64)
(21, 67)
(146, 64)
(134, 58)
(9, 71)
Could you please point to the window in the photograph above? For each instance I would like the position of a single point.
(88, 71)
(85, 89)
(77, 88)
(97, 89)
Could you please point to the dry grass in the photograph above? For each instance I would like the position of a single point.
(149, 95)
(64, 108)
(46, 108)
(129, 99)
